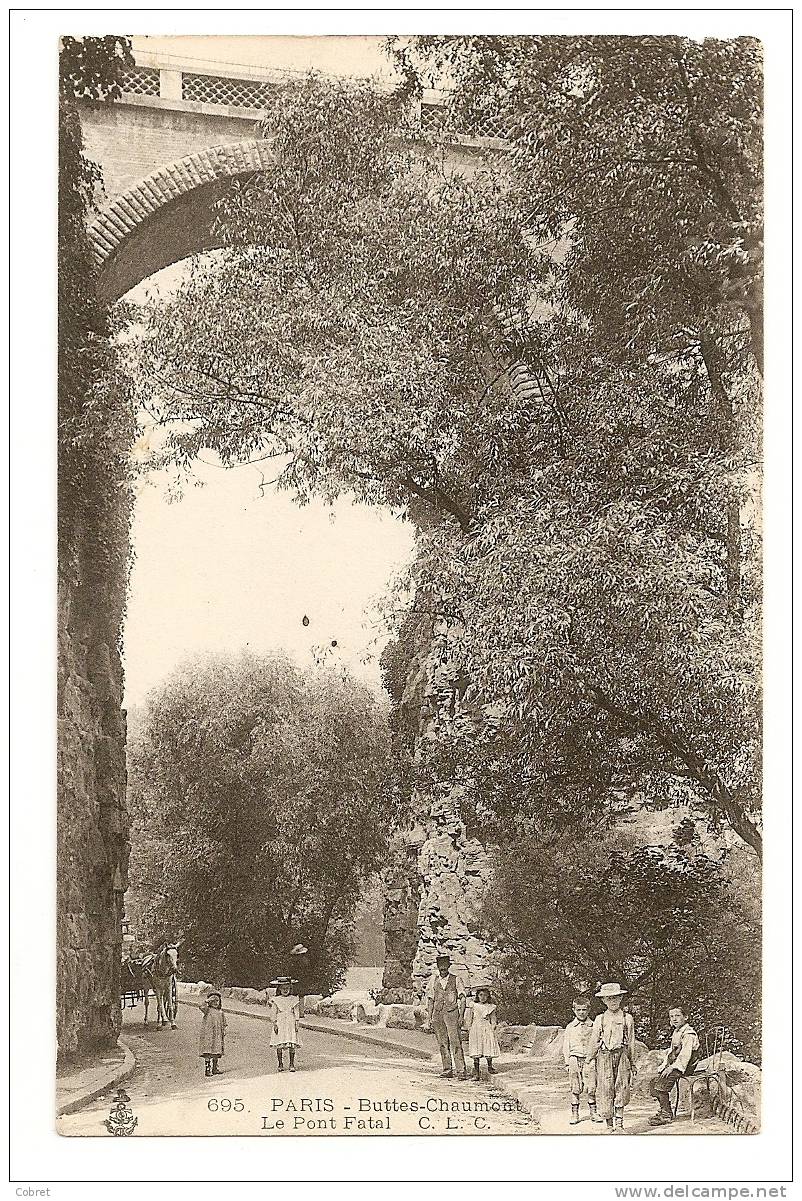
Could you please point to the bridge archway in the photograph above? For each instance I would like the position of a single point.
(167, 216)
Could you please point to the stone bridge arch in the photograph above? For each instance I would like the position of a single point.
(168, 215)
(434, 882)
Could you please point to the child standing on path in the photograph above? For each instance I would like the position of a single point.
(284, 1010)
(611, 1047)
(213, 1032)
(581, 1074)
(482, 1041)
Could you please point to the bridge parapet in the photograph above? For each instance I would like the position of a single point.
(179, 131)
(227, 90)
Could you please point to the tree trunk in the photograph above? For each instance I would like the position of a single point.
(728, 439)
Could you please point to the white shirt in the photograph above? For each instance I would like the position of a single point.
(435, 978)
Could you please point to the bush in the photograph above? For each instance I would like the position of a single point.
(673, 926)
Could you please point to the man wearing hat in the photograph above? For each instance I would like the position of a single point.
(445, 994)
(611, 1046)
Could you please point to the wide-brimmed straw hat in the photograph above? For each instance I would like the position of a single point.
(611, 990)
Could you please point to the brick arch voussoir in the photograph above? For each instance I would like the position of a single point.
(127, 213)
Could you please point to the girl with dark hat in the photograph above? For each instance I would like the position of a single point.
(213, 1032)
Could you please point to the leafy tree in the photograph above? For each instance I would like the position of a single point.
(261, 800)
(670, 925)
(642, 164)
(96, 422)
(384, 326)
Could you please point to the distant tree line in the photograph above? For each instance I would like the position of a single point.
(261, 800)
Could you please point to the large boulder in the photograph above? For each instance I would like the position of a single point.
(331, 1008)
(366, 1015)
(400, 1017)
(543, 1042)
(743, 1087)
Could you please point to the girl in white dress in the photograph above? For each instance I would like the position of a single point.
(284, 1012)
(482, 1041)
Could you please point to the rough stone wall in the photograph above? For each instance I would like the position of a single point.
(435, 885)
(454, 872)
(92, 822)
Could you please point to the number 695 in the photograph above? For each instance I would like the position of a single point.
(225, 1104)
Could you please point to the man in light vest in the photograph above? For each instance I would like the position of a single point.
(445, 994)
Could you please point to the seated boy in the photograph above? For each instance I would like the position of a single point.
(679, 1060)
(581, 1075)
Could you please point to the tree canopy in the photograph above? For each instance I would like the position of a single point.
(549, 362)
(261, 798)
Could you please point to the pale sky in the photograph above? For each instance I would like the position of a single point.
(228, 567)
(334, 55)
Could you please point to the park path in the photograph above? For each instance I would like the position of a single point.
(342, 1086)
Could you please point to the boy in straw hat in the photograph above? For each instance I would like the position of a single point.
(611, 1047)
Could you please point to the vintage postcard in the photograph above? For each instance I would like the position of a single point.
(410, 601)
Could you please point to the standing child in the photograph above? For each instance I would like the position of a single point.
(482, 1041)
(611, 1047)
(284, 1010)
(213, 1032)
(581, 1074)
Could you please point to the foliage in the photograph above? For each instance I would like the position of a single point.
(90, 68)
(642, 160)
(261, 801)
(95, 410)
(491, 357)
(351, 324)
(670, 925)
(647, 148)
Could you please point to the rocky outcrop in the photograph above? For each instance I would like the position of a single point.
(454, 870)
(402, 884)
(92, 821)
(436, 881)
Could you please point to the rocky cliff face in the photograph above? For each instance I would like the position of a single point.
(435, 884)
(454, 872)
(92, 821)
